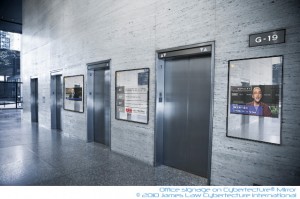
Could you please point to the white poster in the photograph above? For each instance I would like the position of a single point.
(132, 94)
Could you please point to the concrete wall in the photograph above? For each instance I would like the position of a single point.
(68, 34)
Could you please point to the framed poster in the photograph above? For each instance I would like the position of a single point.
(255, 99)
(132, 95)
(73, 93)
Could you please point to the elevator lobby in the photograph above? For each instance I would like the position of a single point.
(149, 93)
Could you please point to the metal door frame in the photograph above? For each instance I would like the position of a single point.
(34, 99)
(161, 56)
(54, 103)
(91, 67)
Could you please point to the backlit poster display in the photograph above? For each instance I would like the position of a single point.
(255, 98)
(73, 93)
(132, 95)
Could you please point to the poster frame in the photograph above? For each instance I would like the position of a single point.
(64, 92)
(116, 85)
(280, 102)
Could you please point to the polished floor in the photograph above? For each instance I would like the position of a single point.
(33, 155)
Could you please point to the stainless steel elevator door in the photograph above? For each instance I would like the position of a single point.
(56, 101)
(187, 114)
(101, 106)
(34, 99)
(98, 103)
(59, 96)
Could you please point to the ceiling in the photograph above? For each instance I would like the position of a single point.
(11, 15)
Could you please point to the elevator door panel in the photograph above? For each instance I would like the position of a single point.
(53, 102)
(34, 100)
(187, 113)
(99, 109)
(56, 101)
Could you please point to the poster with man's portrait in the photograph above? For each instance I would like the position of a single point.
(255, 98)
(73, 93)
(259, 100)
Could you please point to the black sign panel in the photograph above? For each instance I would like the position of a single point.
(186, 52)
(267, 38)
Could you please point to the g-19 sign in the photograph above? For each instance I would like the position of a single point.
(267, 38)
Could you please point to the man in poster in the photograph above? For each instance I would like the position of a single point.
(247, 100)
(256, 107)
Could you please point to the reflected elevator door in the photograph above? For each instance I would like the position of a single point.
(56, 101)
(34, 99)
(101, 106)
(187, 114)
